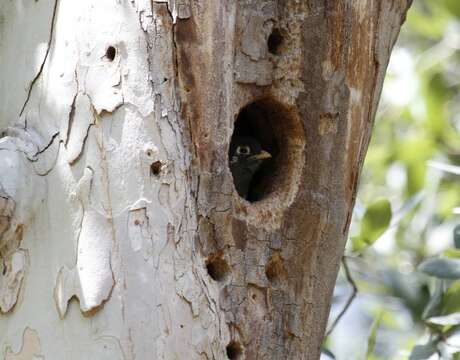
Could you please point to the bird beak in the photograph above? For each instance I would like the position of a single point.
(263, 155)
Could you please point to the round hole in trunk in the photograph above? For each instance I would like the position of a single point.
(266, 150)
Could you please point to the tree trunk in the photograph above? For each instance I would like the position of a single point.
(121, 233)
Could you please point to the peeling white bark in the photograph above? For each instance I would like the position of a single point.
(106, 230)
(30, 349)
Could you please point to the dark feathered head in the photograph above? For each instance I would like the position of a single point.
(245, 157)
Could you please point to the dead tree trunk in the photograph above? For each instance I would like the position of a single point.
(115, 185)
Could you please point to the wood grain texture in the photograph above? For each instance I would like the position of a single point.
(325, 80)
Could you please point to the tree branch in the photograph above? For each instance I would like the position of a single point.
(352, 296)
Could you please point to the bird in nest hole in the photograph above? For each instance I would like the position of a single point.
(246, 157)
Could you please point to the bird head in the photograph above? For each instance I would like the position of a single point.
(246, 156)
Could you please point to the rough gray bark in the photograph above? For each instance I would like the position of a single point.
(321, 88)
(115, 189)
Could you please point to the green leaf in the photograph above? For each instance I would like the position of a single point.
(452, 253)
(442, 268)
(451, 299)
(423, 352)
(358, 244)
(457, 236)
(450, 306)
(374, 223)
(328, 353)
(373, 336)
(415, 176)
(453, 6)
(449, 198)
(434, 304)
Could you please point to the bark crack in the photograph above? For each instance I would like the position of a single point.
(40, 70)
(176, 71)
(72, 109)
(53, 137)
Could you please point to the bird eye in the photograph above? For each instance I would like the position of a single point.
(243, 150)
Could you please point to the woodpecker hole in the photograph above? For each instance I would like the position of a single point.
(274, 42)
(110, 53)
(279, 132)
(217, 267)
(155, 168)
(274, 270)
(234, 350)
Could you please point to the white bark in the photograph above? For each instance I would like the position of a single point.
(102, 229)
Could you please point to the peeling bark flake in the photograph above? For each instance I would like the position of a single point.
(30, 350)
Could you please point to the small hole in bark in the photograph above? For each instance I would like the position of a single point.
(274, 42)
(265, 150)
(110, 53)
(155, 168)
(234, 350)
(274, 269)
(136, 222)
(217, 267)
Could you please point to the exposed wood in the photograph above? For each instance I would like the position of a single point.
(320, 91)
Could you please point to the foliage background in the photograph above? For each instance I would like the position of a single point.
(409, 205)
